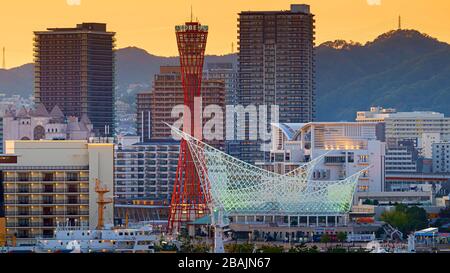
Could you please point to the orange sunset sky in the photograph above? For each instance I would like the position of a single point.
(149, 24)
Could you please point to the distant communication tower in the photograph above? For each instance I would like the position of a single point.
(4, 58)
(189, 202)
(399, 23)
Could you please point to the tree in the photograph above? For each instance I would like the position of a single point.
(303, 248)
(406, 219)
(271, 249)
(240, 248)
(200, 248)
(325, 239)
(342, 237)
(337, 250)
(445, 213)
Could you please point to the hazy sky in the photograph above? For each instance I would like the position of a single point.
(149, 24)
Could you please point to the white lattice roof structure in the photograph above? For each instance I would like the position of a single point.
(238, 188)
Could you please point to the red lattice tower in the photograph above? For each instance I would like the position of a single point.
(188, 200)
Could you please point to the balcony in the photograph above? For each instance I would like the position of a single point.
(45, 191)
(53, 213)
(45, 202)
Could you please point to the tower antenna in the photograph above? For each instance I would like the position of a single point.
(192, 14)
(232, 47)
(399, 22)
(4, 58)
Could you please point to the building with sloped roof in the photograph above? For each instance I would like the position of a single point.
(40, 124)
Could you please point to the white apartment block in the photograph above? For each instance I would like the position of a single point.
(146, 170)
(441, 157)
(400, 160)
(426, 143)
(425, 127)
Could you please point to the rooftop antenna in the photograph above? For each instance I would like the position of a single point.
(4, 58)
(192, 15)
(399, 22)
(232, 47)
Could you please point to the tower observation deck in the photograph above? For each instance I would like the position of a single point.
(188, 199)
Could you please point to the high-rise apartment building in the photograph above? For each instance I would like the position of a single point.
(276, 67)
(226, 72)
(39, 194)
(75, 69)
(154, 109)
(143, 115)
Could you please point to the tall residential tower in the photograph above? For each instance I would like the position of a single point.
(74, 69)
(276, 67)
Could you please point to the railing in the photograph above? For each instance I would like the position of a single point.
(40, 179)
(44, 214)
(43, 191)
(46, 202)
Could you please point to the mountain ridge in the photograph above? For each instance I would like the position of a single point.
(394, 69)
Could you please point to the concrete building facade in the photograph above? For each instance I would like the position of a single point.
(146, 170)
(40, 194)
(347, 147)
(155, 107)
(424, 128)
(441, 157)
(75, 69)
(276, 67)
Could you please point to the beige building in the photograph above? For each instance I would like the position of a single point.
(47, 183)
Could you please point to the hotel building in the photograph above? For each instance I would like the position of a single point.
(40, 194)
